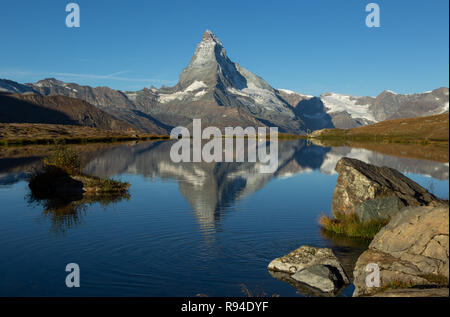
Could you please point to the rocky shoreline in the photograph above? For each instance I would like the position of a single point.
(408, 257)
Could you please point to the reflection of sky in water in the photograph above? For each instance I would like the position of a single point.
(437, 187)
(187, 228)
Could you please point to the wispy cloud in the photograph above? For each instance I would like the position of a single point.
(79, 76)
(113, 76)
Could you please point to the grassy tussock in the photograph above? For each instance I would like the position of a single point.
(350, 225)
(103, 185)
(65, 159)
(65, 163)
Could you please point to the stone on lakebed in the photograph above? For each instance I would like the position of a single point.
(317, 267)
(323, 277)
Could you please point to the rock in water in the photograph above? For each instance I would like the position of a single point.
(375, 192)
(305, 257)
(412, 250)
(325, 278)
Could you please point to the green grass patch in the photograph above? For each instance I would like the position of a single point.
(349, 225)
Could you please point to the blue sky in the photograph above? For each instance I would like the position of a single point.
(307, 46)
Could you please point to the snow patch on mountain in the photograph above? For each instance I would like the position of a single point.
(261, 96)
(195, 86)
(180, 95)
(290, 92)
(287, 91)
(345, 103)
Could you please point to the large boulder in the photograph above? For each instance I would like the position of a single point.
(316, 267)
(412, 250)
(373, 192)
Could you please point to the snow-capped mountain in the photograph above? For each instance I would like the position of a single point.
(333, 110)
(222, 93)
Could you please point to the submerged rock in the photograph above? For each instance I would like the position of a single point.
(412, 250)
(373, 192)
(323, 277)
(302, 288)
(318, 266)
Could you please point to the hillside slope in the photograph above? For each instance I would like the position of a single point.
(430, 128)
(32, 108)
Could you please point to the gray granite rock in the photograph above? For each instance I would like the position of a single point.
(325, 278)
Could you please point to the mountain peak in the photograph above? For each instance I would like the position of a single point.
(209, 59)
(208, 36)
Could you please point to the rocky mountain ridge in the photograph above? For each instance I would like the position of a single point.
(222, 93)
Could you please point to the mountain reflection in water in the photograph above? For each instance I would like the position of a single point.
(210, 187)
(185, 228)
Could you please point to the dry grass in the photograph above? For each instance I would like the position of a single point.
(349, 225)
(65, 159)
(437, 279)
(102, 185)
(30, 133)
(424, 130)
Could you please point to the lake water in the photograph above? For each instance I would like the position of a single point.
(185, 229)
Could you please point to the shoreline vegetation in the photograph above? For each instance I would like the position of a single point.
(431, 132)
(18, 134)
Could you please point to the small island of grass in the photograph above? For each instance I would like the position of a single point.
(62, 176)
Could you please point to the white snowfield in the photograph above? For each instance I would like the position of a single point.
(290, 92)
(345, 103)
(261, 96)
(188, 91)
(444, 108)
(195, 86)
(287, 91)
